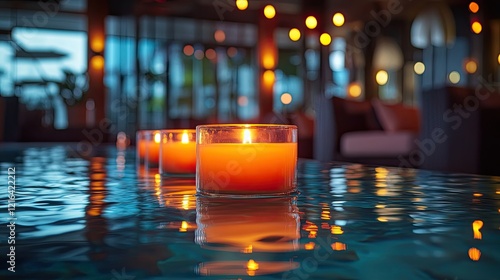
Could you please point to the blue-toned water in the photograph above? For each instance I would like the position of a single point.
(98, 218)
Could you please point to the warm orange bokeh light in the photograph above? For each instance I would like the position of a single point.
(476, 27)
(294, 34)
(354, 90)
(97, 62)
(286, 98)
(188, 50)
(325, 39)
(474, 254)
(211, 54)
(312, 234)
(269, 11)
(338, 19)
(268, 77)
(311, 22)
(219, 36)
(97, 44)
(242, 4)
(268, 61)
(473, 7)
(471, 67)
(498, 58)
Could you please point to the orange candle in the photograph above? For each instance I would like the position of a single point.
(148, 147)
(178, 152)
(246, 159)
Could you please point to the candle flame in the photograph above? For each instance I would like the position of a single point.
(247, 137)
(185, 138)
(157, 137)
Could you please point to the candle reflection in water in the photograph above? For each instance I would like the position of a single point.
(177, 193)
(245, 228)
(96, 223)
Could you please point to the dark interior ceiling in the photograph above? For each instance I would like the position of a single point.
(290, 11)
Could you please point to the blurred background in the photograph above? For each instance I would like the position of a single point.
(72, 68)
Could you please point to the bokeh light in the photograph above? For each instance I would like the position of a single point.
(471, 66)
(188, 50)
(286, 98)
(354, 90)
(97, 62)
(419, 68)
(211, 54)
(242, 101)
(242, 4)
(476, 27)
(220, 36)
(311, 22)
(498, 58)
(232, 51)
(338, 19)
(382, 77)
(268, 77)
(473, 7)
(199, 54)
(325, 39)
(269, 11)
(294, 34)
(454, 77)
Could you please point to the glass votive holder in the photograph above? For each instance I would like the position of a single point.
(148, 148)
(246, 159)
(178, 152)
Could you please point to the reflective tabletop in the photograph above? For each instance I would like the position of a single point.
(102, 218)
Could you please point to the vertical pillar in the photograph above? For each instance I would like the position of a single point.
(267, 54)
(96, 16)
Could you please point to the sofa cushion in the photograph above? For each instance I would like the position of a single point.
(397, 117)
(377, 143)
(354, 115)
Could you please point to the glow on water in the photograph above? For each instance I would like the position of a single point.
(99, 217)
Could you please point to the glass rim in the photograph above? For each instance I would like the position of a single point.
(148, 131)
(260, 125)
(177, 130)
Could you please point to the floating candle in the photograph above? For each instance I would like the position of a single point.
(178, 152)
(148, 147)
(246, 159)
